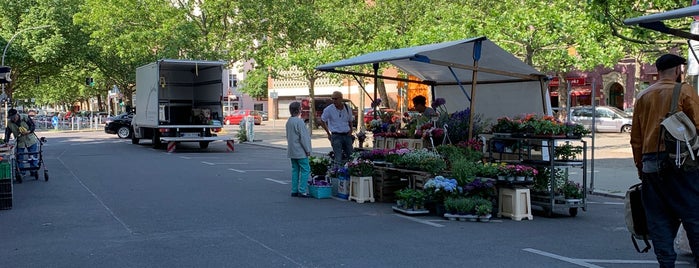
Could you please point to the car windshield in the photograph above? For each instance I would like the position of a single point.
(618, 111)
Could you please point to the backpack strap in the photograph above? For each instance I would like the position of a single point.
(675, 98)
(645, 240)
(673, 109)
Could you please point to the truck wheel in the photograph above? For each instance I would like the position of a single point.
(203, 144)
(156, 141)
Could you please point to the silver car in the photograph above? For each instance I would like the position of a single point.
(608, 118)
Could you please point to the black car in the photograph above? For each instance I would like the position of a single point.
(264, 115)
(120, 125)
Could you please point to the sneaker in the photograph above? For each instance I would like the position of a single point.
(304, 195)
(294, 194)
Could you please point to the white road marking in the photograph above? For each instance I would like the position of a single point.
(277, 181)
(588, 262)
(419, 220)
(236, 170)
(222, 163)
(261, 170)
(185, 157)
(561, 258)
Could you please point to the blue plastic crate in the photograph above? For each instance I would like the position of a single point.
(320, 192)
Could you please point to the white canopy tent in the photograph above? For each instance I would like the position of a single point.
(460, 71)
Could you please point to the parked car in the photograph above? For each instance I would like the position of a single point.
(236, 116)
(120, 125)
(265, 115)
(369, 114)
(607, 118)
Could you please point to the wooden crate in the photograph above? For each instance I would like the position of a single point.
(386, 182)
(379, 142)
(418, 179)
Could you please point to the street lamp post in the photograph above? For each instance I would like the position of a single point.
(3, 97)
(8, 45)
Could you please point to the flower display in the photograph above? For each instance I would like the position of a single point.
(319, 165)
(337, 172)
(319, 183)
(480, 187)
(422, 159)
(360, 167)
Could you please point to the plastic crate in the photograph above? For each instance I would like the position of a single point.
(5, 186)
(320, 192)
(5, 170)
(6, 203)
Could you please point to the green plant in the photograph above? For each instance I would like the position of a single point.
(567, 151)
(464, 171)
(482, 206)
(576, 129)
(242, 135)
(411, 198)
(466, 206)
(451, 204)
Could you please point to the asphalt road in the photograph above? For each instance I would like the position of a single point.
(109, 203)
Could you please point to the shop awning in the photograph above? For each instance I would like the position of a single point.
(576, 91)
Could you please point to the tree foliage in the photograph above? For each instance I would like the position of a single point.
(107, 40)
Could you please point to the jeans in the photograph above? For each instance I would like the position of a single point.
(31, 149)
(300, 172)
(668, 198)
(342, 148)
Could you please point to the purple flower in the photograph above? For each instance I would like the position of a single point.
(438, 102)
(376, 102)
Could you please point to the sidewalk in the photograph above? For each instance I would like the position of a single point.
(613, 173)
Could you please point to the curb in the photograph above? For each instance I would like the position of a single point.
(607, 194)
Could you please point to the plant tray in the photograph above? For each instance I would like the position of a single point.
(456, 217)
(320, 192)
(410, 211)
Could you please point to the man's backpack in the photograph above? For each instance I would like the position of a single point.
(679, 133)
(636, 217)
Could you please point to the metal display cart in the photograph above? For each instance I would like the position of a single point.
(540, 152)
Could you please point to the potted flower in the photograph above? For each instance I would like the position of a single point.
(530, 173)
(572, 190)
(437, 190)
(360, 168)
(504, 126)
(567, 152)
(319, 165)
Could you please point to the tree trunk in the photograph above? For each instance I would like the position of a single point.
(385, 101)
(562, 97)
(312, 103)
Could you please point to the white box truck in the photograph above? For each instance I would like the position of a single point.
(180, 101)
